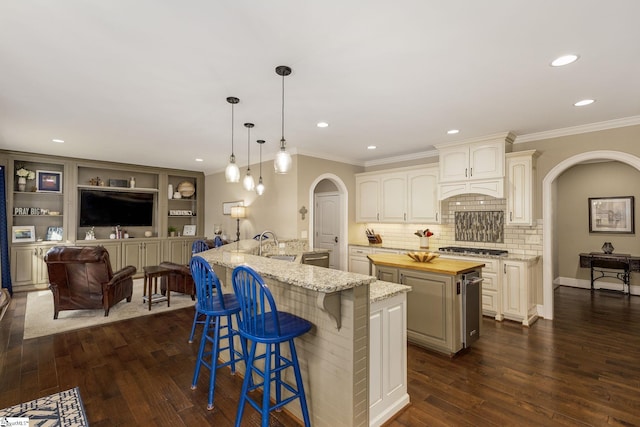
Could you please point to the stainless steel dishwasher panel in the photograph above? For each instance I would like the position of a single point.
(471, 308)
(319, 259)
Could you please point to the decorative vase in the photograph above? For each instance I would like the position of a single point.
(22, 183)
(424, 243)
(607, 248)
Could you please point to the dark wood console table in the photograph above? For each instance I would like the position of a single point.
(617, 266)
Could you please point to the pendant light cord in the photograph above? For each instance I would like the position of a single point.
(282, 139)
(248, 149)
(232, 109)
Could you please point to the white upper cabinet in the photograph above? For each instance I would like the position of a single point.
(519, 187)
(474, 166)
(402, 195)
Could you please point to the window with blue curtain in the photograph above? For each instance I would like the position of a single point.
(4, 234)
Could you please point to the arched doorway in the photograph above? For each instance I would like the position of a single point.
(343, 214)
(549, 185)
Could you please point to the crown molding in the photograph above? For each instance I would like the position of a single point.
(403, 158)
(575, 130)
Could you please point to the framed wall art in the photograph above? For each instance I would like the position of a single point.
(189, 230)
(48, 181)
(226, 206)
(611, 215)
(23, 233)
(54, 234)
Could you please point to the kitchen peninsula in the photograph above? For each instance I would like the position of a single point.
(444, 309)
(334, 355)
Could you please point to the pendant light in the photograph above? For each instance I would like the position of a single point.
(248, 183)
(232, 172)
(282, 162)
(260, 186)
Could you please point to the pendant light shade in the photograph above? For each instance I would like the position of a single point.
(232, 172)
(282, 162)
(260, 186)
(248, 183)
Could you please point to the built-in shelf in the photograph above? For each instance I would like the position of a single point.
(101, 188)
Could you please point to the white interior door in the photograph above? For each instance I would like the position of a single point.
(327, 225)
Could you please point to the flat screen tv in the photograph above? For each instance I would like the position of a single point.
(111, 208)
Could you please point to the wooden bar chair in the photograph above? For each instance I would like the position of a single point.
(262, 323)
(214, 305)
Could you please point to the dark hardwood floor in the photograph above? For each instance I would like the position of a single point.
(583, 368)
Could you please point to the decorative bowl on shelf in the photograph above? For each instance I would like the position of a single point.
(186, 189)
(422, 256)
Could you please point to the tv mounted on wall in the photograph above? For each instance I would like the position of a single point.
(99, 208)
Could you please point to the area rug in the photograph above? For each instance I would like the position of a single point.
(39, 320)
(59, 409)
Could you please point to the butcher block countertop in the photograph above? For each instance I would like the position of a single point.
(450, 267)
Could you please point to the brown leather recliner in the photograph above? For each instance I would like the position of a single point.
(82, 278)
(179, 280)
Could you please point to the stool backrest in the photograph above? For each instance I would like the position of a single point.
(208, 289)
(199, 246)
(257, 307)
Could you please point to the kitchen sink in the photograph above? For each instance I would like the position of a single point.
(283, 257)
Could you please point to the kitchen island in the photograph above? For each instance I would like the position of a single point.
(444, 308)
(334, 355)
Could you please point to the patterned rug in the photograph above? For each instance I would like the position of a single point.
(60, 409)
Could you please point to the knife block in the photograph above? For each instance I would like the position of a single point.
(374, 238)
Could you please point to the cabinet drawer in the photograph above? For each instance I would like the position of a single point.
(490, 281)
(489, 302)
(359, 250)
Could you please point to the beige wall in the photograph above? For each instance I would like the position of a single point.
(575, 186)
(277, 209)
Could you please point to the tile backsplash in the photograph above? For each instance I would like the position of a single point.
(525, 240)
(479, 226)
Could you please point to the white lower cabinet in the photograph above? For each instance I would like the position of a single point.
(358, 261)
(28, 269)
(518, 291)
(387, 358)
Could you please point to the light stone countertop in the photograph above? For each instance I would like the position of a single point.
(380, 290)
(512, 256)
(318, 279)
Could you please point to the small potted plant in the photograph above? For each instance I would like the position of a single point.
(172, 231)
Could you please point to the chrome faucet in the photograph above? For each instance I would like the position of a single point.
(274, 238)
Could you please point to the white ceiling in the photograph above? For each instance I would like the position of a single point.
(146, 81)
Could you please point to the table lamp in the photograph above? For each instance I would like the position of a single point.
(238, 212)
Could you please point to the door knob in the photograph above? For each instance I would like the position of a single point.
(336, 239)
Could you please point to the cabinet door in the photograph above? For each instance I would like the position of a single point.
(520, 190)
(176, 251)
(152, 252)
(367, 199)
(486, 160)
(393, 189)
(387, 274)
(23, 265)
(432, 317)
(131, 255)
(422, 196)
(514, 292)
(358, 261)
(454, 163)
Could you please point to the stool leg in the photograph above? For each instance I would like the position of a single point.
(203, 341)
(193, 328)
(214, 362)
(232, 354)
(278, 376)
(245, 384)
(301, 394)
(266, 389)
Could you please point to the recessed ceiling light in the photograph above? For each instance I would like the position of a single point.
(584, 102)
(371, 147)
(453, 131)
(564, 60)
(322, 124)
(59, 141)
(199, 160)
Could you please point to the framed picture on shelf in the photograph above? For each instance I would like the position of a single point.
(611, 215)
(49, 181)
(189, 230)
(226, 206)
(23, 233)
(54, 234)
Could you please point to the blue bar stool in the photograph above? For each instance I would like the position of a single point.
(214, 305)
(262, 323)
(198, 318)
